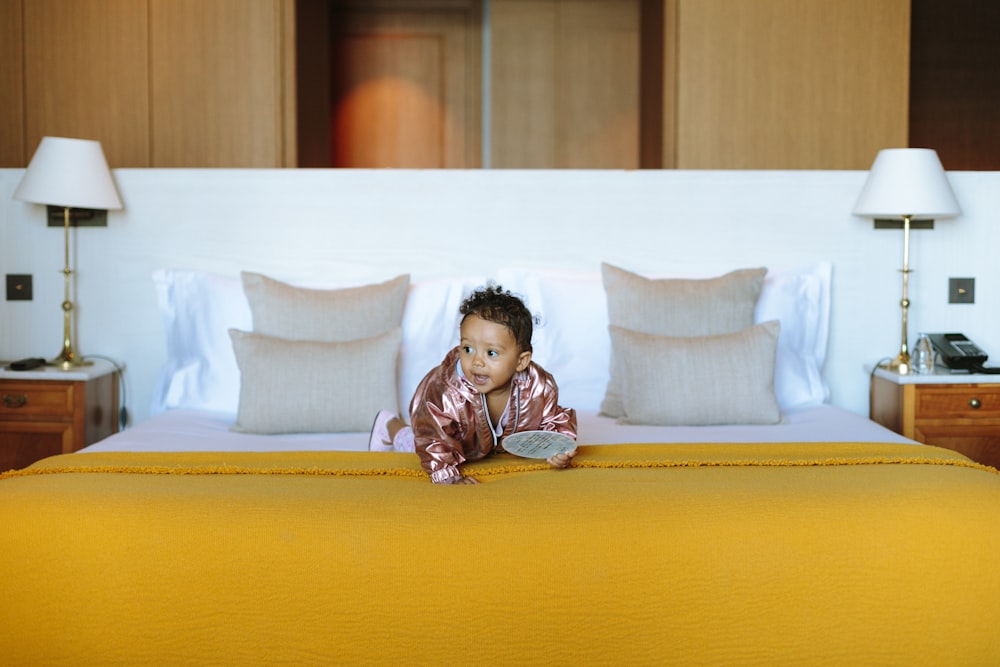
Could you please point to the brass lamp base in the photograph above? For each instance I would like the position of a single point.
(899, 365)
(68, 364)
(67, 359)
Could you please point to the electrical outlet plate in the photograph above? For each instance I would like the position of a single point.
(19, 287)
(961, 290)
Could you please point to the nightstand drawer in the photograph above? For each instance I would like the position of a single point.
(967, 401)
(977, 441)
(36, 399)
(961, 413)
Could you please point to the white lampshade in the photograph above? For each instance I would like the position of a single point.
(907, 181)
(69, 172)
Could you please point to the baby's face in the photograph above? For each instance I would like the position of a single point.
(489, 354)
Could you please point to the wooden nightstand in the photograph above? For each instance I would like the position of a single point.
(48, 411)
(957, 411)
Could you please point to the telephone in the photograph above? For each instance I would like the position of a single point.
(957, 351)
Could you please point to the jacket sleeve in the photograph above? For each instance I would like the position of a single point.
(555, 417)
(435, 431)
(559, 419)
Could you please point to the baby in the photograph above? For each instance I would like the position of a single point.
(485, 389)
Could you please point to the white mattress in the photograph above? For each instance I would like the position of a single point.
(201, 431)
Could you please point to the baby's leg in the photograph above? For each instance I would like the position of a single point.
(402, 437)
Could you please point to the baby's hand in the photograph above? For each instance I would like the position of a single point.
(466, 480)
(561, 460)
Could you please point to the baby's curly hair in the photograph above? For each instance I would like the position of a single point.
(495, 304)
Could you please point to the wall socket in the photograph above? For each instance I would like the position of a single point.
(961, 290)
(19, 287)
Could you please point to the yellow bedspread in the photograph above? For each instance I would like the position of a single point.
(723, 554)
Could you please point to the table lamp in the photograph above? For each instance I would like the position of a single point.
(70, 173)
(907, 184)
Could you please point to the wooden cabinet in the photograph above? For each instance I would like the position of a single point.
(961, 413)
(49, 411)
(608, 84)
(689, 84)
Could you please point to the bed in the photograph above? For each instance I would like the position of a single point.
(719, 511)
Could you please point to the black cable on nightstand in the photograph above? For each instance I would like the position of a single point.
(122, 411)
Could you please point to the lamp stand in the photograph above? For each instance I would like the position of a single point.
(67, 358)
(901, 364)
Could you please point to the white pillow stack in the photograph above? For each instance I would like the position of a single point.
(572, 340)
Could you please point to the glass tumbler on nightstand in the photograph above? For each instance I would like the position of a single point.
(923, 355)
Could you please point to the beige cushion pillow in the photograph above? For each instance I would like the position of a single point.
(292, 386)
(299, 313)
(722, 379)
(676, 307)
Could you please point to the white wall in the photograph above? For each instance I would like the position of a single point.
(360, 225)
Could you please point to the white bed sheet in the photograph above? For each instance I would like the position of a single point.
(202, 431)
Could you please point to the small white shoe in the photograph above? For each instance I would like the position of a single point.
(379, 441)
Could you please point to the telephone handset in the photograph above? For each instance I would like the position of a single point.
(957, 351)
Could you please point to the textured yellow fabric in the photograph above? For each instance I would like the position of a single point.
(680, 554)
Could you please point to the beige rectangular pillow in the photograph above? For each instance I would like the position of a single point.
(676, 307)
(698, 381)
(300, 313)
(293, 386)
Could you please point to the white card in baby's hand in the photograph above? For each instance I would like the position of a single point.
(538, 444)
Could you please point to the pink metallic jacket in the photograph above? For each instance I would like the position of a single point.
(449, 419)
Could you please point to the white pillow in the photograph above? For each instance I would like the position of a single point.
(197, 310)
(799, 299)
(571, 337)
(430, 329)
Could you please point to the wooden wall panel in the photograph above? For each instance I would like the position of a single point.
(788, 84)
(523, 74)
(407, 85)
(85, 69)
(668, 85)
(597, 84)
(217, 70)
(565, 83)
(13, 152)
(288, 85)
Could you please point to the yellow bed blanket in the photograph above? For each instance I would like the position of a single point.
(760, 554)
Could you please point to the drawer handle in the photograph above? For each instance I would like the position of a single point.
(975, 403)
(14, 401)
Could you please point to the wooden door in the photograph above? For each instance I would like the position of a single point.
(406, 84)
